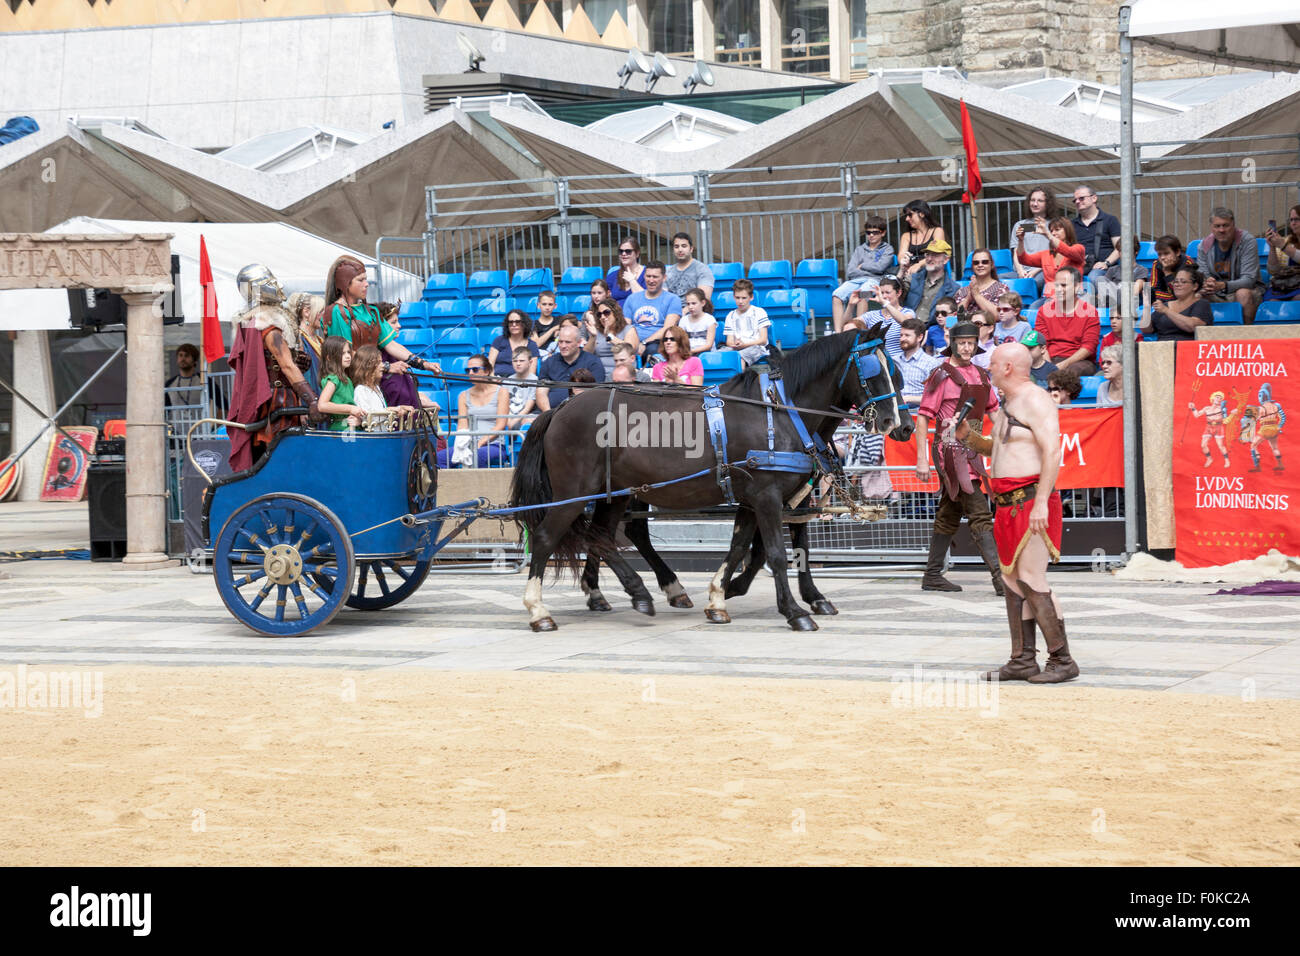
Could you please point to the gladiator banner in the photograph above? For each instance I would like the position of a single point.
(1092, 452)
(1232, 497)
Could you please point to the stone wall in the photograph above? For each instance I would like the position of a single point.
(1014, 38)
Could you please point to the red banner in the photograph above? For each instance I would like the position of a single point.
(1092, 452)
(1232, 499)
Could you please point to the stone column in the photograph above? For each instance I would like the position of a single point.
(638, 23)
(705, 32)
(770, 34)
(33, 377)
(841, 29)
(146, 443)
(566, 13)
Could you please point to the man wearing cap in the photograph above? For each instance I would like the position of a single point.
(1025, 451)
(932, 283)
(951, 386)
(1039, 366)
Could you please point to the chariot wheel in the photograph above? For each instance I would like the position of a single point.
(283, 565)
(386, 582)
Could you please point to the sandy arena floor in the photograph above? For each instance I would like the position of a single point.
(293, 766)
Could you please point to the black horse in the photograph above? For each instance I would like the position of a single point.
(597, 443)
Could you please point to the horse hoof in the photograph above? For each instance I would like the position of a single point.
(680, 600)
(644, 607)
(824, 607)
(543, 624)
(803, 623)
(714, 616)
(598, 604)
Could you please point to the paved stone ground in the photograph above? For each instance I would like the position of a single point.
(1125, 635)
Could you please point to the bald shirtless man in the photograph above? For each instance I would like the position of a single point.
(1026, 452)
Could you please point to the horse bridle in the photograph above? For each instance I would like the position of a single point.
(866, 360)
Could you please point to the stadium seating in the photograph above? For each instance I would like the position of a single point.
(1030, 316)
(1274, 312)
(414, 315)
(1090, 385)
(785, 304)
(788, 333)
(1001, 261)
(578, 304)
(444, 286)
(528, 282)
(725, 273)
(1226, 313)
(723, 302)
(1147, 254)
(720, 366)
(418, 341)
(494, 307)
(577, 280)
(1193, 248)
(457, 342)
(771, 274)
(819, 278)
(448, 312)
(1027, 289)
(489, 284)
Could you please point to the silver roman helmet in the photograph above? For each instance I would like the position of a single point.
(259, 286)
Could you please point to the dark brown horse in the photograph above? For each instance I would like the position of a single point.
(597, 443)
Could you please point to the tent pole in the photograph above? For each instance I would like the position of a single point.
(1129, 350)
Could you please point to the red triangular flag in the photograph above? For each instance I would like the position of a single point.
(213, 347)
(973, 182)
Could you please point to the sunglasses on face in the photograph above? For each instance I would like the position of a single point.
(476, 368)
(514, 322)
(604, 312)
(1106, 362)
(981, 262)
(875, 232)
(626, 252)
(1006, 308)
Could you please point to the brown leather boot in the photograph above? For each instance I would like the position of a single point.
(934, 579)
(989, 550)
(1060, 665)
(1023, 664)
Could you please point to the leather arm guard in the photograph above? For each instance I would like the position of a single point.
(983, 444)
(308, 398)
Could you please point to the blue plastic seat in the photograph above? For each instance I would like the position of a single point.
(488, 284)
(417, 340)
(578, 304)
(449, 285)
(449, 312)
(771, 274)
(788, 333)
(719, 366)
(1030, 316)
(818, 278)
(725, 273)
(1001, 261)
(1147, 254)
(414, 315)
(1261, 246)
(1193, 248)
(784, 303)
(1226, 313)
(723, 302)
(1276, 312)
(458, 342)
(531, 282)
(494, 307)
(1027, 289)
(577, 280)
(1090, 385)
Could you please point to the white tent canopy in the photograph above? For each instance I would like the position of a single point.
(298, 259)
(1259, 33)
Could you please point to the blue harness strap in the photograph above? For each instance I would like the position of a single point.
(713, 406)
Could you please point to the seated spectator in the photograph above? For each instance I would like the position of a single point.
(944, 318)
(687, 272)
(747, 325)
(1115, 335)
(698, 321)
(1098, 232)
(599, 293)
(1011, 326)
(1177, 319)
(482, 412)
(1070, 325)
(1111, 391)
(679, 366)
(625, 357)
(870, 262)
(932, 281)
(1064, 386)
(1169, 256)
(984, 291)
(546, 326)
(914, 364)
(890, 312)
(573, 322)
(1062, 249)
(569, 357)
(653, 309)
(516, 333)
(1108, 286)
(1284, 259)
(581, 376)
(611, 326)
(1229, 261)
(984, 345)
(525, 400)
(624, 373)
(628, 276)
(1040, 207)
(922, 231)
(1039, 367)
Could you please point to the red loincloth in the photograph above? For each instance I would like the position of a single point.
(1011, 531)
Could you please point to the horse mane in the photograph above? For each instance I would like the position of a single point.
(810, 362)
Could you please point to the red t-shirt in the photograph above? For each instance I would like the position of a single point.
(1066, 334)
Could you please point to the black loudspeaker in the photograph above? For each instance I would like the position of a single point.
(106, 492)
(213, 456)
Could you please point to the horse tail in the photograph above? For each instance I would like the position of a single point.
(531, 488)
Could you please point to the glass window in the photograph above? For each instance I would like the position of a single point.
(736, 23)
(672, 27)
(805, 45)
(858, 35)
(602, 11)
(556, 8)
